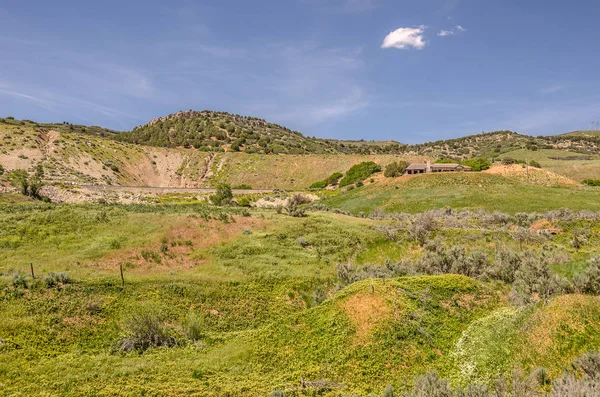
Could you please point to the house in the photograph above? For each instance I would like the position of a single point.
(426, 168)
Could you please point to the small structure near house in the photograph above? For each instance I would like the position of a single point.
(426, 168)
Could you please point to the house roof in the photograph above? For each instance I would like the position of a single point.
(450, 166)
(417, 166)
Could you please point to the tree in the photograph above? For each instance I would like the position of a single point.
(395, 169)
(478, 164)
(20, 179)
(223, 195)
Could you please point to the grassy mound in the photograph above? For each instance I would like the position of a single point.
(549, 336)
(461, 190)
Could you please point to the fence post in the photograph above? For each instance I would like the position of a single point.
(32, 273)
(122, 278)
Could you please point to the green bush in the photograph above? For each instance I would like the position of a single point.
(145, 328)
(18, 281)
(395, 169)
(1, 170)
(591, 182)
(52, 280)
(359, 172)
(194, 327)
(331, 180)
(535, 164)
(223, 195)
(478, 164)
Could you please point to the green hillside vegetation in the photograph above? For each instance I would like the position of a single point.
(331, 180)
(359, 173)
(219, 131)
(218, 300)
(462, 190)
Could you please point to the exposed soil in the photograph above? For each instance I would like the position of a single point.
(202, 234)
(366, 311)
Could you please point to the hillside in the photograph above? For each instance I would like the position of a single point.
(87, 157)
(503, 189)
(210, 131)
(250, 303)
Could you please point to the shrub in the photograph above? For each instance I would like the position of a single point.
(145, 329)
(223, 195)
(588, 282)
(478, 164)
(359, 172)
(194, 327)
(421, 227)
(242, 187)
(19, 280)
(293, 205)
(52, 280)
(591, 182)
(535, 164)
(1, 170)
(395, 169)
(20, 179)
(331, 180)
(430, 385)
(359, 184)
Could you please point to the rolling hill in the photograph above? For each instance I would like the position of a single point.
(202, 149)
(221, 131)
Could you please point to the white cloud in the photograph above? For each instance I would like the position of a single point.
(403, 38)
(457, 30)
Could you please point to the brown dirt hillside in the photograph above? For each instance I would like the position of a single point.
(536, 176)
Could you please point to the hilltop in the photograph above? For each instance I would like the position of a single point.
(211, 131)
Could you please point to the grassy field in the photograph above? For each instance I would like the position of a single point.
(465, 190)
(578, 168)
(254, 302)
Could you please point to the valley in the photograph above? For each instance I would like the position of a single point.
(141, 265)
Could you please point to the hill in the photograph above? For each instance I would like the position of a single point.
(87, 156)
(220, 131)
(505, 191)
(245, 304)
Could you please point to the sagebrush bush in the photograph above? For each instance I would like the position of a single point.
(588, 282)
(19, 280)
(52, 280)
(145, 328)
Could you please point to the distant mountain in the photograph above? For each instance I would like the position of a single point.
(211, 131)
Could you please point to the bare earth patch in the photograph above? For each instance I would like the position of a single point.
(366, 311)
(190, 236)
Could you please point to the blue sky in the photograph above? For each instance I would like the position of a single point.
(412, 71)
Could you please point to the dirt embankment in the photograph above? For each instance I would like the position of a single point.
(532, 175)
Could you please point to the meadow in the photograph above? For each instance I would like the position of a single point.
(465, 190)
(236, 301)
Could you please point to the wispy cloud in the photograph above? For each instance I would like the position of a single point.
(553, 88)
(404, 38)
(456, 30)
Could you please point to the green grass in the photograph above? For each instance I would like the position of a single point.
(577, 169)
(252, 281)
(464, 190)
